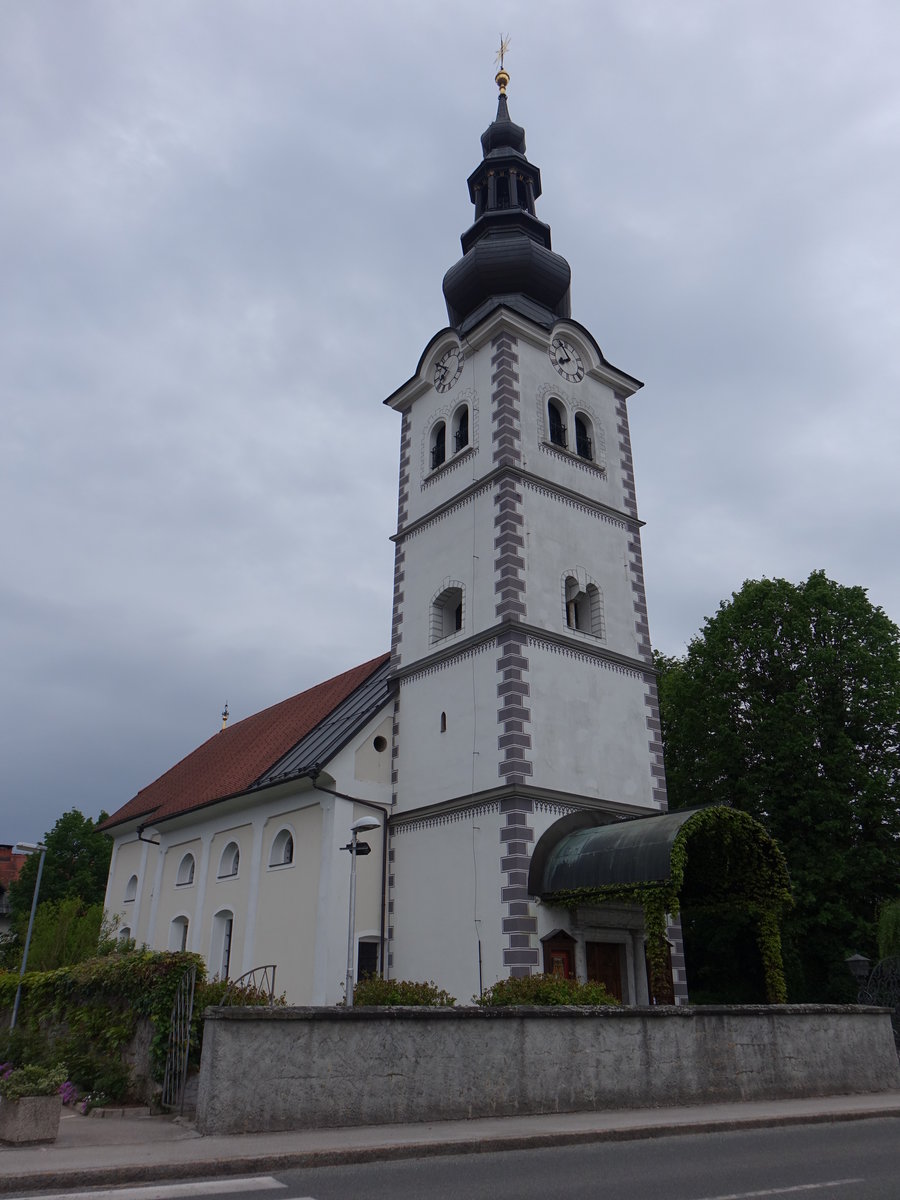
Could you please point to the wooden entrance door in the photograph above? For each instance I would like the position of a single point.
(605, 962)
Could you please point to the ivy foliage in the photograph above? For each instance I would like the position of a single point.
(720, 858)
(787, 706)
(84, 1015)
(543, 990)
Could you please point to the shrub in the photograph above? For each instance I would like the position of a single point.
(375, 991)
(31, 1081)
(543, 990)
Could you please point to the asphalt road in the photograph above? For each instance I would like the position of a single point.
(856, 1160)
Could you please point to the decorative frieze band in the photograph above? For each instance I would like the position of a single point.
(450, 817)
(597, 660)
(449, 660)
(443, 513)
(551, 493)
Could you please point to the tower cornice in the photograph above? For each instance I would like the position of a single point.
(522, 475)
(488, 637)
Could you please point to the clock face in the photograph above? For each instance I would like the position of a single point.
(567, 360)
(448, 369)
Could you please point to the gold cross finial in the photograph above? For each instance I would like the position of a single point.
(502, 77)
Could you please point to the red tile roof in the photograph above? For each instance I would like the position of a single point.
(235, 758)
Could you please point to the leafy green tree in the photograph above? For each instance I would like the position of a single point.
(65, 932)
(787, 705)
(76, 865)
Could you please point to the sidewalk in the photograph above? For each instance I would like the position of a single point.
(138, 1148)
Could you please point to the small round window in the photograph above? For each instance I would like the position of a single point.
(380, 744)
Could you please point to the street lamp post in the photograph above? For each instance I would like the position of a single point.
(355, 848)
(28, 848)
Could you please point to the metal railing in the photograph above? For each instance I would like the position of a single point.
(883, 988)
(260, 980)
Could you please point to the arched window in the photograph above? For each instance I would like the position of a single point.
(178, 934)
(282, 854)
(447, 611)
(584, 443)
(461, 428)
(131, 889)
(556, 424)
(230, 861)
(185, 876)
(583, 606)
(438, 445)
(124, 934)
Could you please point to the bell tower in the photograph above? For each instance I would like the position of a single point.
(520, 644)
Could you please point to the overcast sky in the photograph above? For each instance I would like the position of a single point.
(223, 229)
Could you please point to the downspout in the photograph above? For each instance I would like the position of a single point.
(312, 775)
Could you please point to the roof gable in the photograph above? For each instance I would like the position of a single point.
(240, 756)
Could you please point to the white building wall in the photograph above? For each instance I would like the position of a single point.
(588, 727)
(294, 915)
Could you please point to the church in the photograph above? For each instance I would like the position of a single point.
(516, 709)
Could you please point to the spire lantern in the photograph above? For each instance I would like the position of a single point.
(507, 256)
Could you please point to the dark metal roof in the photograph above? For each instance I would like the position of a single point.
(577, 852)
(507, 253)
(334, 732)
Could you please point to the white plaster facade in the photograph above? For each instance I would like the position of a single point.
(294, 915)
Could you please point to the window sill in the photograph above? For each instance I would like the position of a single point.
(449, 463)
(277, 867)
(589, 464)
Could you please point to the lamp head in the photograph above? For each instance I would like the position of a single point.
(365, 823)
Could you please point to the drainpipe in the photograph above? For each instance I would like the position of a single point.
(312, 775)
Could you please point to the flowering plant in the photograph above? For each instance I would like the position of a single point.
(16, 1082)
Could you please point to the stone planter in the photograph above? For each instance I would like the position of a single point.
(30, 1119)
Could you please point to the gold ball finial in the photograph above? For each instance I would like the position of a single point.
(502, 77)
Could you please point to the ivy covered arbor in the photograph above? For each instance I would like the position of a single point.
(714, 861)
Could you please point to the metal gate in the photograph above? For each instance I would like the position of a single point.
(179, 1042)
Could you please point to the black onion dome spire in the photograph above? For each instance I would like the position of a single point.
(507, 257)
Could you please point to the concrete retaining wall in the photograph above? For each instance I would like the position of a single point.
(305, 1068)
